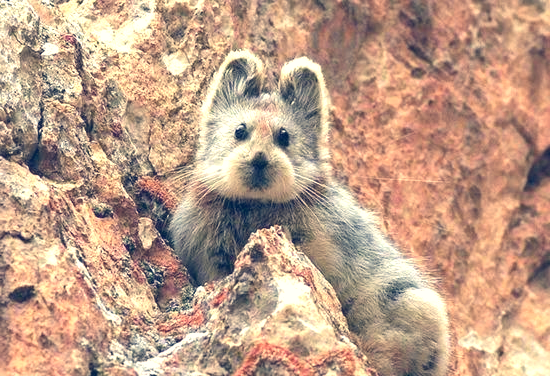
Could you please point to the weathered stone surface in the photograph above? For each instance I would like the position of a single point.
(20, 81)
(74, 301)
(70, 287)
(441, 114)
(50, 310)
(275, 314)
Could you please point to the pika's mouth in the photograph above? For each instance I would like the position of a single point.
(257, 172)
(263, 178)
(257, 180)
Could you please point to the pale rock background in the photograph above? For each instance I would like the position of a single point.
(441, 124)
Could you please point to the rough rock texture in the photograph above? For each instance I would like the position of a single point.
(441, 124)
(275, 314)
(77, 301)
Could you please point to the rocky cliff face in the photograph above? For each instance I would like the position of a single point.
(441, 124)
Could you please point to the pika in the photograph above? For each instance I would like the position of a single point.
(263, 160)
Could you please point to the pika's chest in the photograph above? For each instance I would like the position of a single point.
(245, 219)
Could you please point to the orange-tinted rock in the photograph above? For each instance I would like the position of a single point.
(441, 124)
(263, 318)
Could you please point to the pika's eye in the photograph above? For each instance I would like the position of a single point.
(283, 138)
(241, 132)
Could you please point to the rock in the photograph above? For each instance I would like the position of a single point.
(50, 309)
(74, 294)
(146, 233)
(440, 114)
(512, 352)
(275, 314)
(63, 149)
(20, 81)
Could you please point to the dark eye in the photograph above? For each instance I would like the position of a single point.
(283, 138)
(241, 132)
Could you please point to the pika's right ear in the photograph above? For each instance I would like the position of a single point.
(240, 75)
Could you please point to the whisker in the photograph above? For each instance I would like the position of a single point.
(404, 179)
(312, 181)
(399, 138)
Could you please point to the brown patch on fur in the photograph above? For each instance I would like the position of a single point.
(264, 127)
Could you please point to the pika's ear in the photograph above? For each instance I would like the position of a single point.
(302, 86)
(240, 75)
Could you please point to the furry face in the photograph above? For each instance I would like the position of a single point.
(263, 146)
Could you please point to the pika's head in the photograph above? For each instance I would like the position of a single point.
(259, 145)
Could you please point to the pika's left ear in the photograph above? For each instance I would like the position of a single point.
(302, 86)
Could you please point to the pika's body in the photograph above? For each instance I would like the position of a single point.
(263, 160)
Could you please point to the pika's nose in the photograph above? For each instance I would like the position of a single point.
(259, 162)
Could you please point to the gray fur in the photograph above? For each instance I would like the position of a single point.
(400, 320)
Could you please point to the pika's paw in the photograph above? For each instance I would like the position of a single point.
(413, 337)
